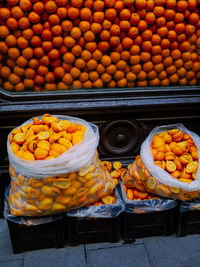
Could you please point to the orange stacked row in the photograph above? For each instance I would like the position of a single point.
(46, 138)
(176, 153)
(62, 44)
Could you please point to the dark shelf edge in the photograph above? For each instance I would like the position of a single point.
(82, 94)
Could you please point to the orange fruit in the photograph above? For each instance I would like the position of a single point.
(87, 85)
(157, 59)
(142, 25)
(111, 13)
(36, 41)
(134, 19)
(170, 166)
(161, 21)
(180, 28)
(75, 33)
(67, 25)
(103, 46)
(27, 34)
(84, 26)
(69, 41)
(156, 50)
(11, 41)
(189, 29)
(80, 63)
(77, 3)
(53, 19)
(4, 13)
(91, 64)
(84, 77)
(61, 12)
(150, 18)
(75, 72)
(162, 31)
(98, 5)
(86, 55)
(85, 13)
(181, 5)
(5, 72)
(145, 56)
(50, 6)
(23, 23)
(73, 13)
(4, 31)
(39, 80)
(38, 7)
(146, 46)
(98, 16)
(140, 4)
(33, 17)
(155, 39)
(158, 11)
(124, 25)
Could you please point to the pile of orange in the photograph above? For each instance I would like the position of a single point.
(120, 172)
(46, 138)
(176, 153)
(62, 44)
(116, 169)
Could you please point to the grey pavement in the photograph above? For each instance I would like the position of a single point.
(145, 252)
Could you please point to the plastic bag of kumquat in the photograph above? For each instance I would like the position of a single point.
(107, 207)
(137, 201)
(54, 166)
(168, 164)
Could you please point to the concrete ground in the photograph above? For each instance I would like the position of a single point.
(146, 252)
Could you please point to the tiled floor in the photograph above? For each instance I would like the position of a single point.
(147, 252)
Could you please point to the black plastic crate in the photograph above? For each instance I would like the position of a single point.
(92, 230)
(4, 182)
(147, 224)
(24, 238)
(187, 223)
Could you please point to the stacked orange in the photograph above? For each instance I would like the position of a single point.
(46, 138)
(62, 44)
(176, 153)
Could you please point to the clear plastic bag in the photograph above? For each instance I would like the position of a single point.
(146, 206)
(143, 172)
(72, 160)
(28, 221)
(70, 181)
(193, 204)
(101, 211)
